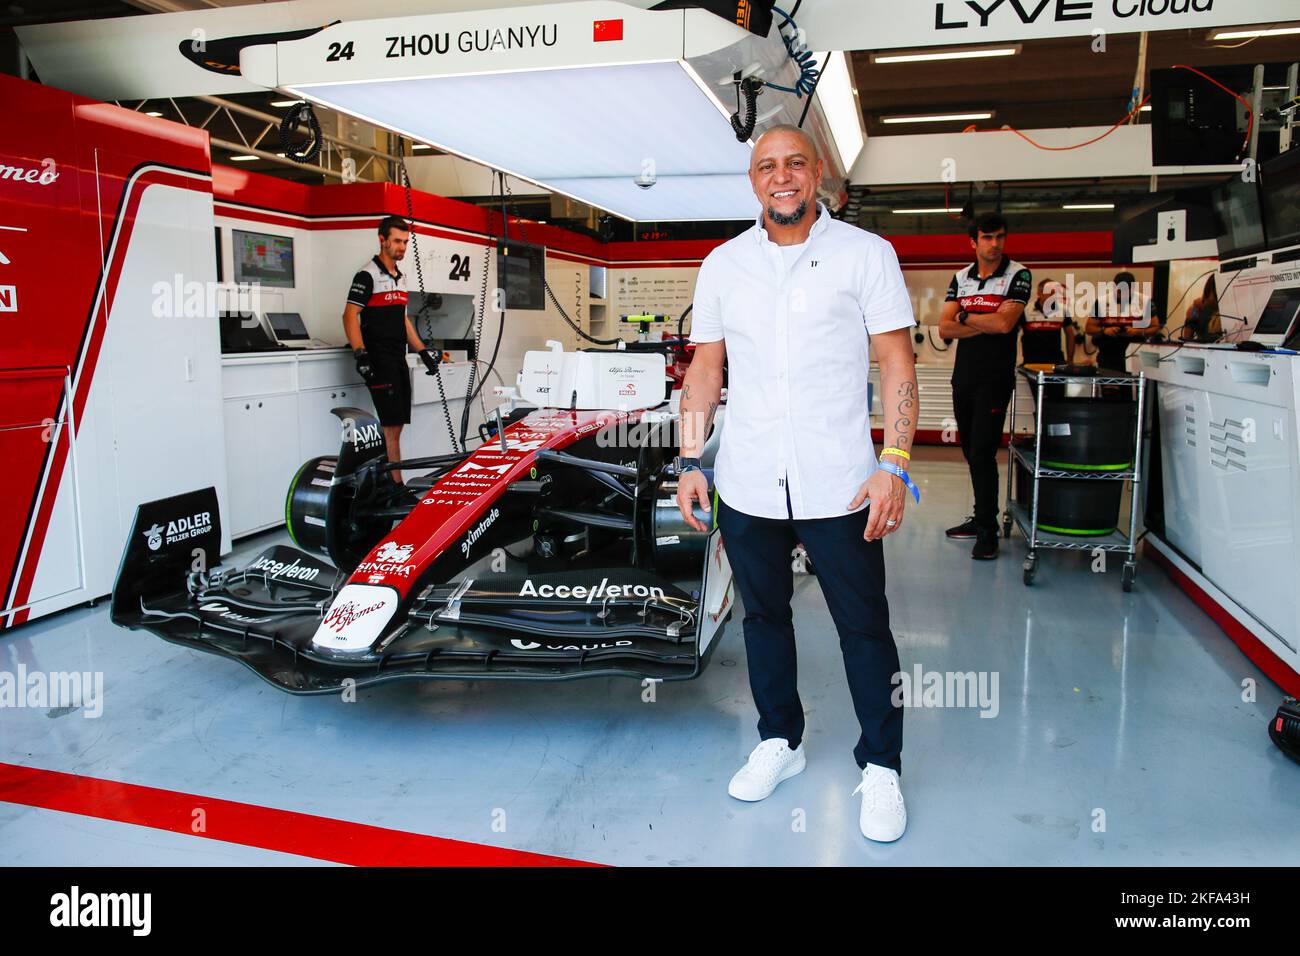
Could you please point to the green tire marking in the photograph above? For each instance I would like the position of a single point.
(1067, 466)
(288, 523)
(1080, 532)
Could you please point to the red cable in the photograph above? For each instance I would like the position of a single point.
(1012, 129)
(1250, 119)
(1250, 126)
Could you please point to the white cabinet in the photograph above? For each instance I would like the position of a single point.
(277, 415)
(261, 459)
(1231, 472)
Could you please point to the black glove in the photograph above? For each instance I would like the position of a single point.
(430, 360)
(364, 368)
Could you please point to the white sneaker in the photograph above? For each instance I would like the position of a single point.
(771, 762)
(884, 815)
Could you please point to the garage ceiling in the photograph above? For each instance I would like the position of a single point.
(1049, 83)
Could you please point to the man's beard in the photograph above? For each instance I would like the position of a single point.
(783, 220)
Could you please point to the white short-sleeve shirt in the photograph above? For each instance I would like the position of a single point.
(798, 356)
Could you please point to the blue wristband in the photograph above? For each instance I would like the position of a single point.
(893, 469)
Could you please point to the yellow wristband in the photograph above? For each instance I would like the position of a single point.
(896, 451)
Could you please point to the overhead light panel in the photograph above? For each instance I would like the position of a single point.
(421, 146)
(559, 77)
(835, 94)
(690, 153)
(919, 212)
(936, 118)
(1249, 34)
(153, 113)
(931, 55)
(245, 158)
(1090, 206)
(285, 103)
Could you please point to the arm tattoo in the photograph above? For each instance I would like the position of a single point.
(904, 410)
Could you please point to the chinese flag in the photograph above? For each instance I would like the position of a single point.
(607, 30)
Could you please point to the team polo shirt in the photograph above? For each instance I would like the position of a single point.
(1042, 337)
(382, 297)
(988, 355)
(1127, 311)
(797, 327)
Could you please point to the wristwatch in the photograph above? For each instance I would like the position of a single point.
(962, 316)
(682, 465)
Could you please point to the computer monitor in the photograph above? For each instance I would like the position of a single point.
(1241, 220)
(1194, 120)
(261, 257)
(244, 332)
(1278, 318)
(521, 273)
(287, 326)
(1280, 181)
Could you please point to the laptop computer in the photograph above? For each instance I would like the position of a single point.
(289, 329)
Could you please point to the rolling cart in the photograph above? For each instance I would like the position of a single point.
(1029, 455)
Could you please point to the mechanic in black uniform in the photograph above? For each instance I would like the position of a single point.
(985, 302)
(379, 331)
(1122, 315)
(1043, 323)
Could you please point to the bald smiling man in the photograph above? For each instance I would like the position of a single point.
(797, 306)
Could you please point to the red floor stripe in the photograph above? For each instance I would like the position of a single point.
(322, 838)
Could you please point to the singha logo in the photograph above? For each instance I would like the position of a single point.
(394, 553)
(153, 536)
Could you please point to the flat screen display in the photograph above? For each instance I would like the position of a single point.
(1280, 180)
(1241, 221)
(263, 258)
(1279, 313)
(521, 273)
(287, 325)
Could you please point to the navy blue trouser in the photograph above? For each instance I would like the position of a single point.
(852, 575)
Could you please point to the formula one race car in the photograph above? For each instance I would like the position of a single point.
(391, 581)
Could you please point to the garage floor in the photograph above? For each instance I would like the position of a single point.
(1120, 737)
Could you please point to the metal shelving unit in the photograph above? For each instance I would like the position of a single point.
(1031, 457)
